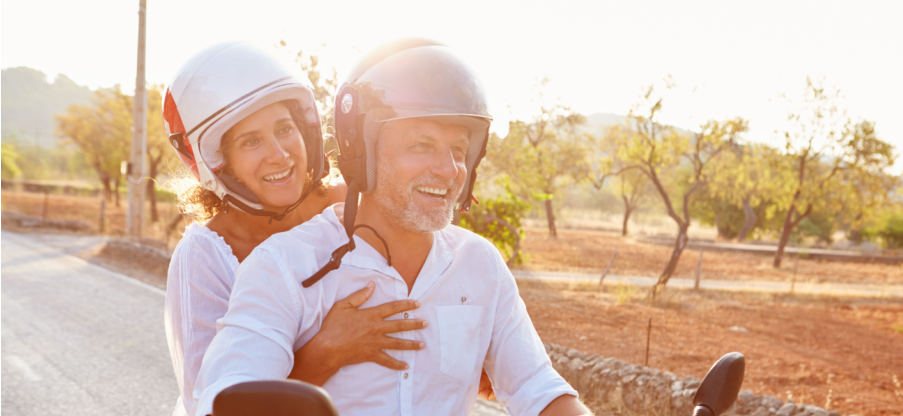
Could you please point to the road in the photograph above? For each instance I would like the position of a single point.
(78, 339)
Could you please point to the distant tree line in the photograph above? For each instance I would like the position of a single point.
(825, 172)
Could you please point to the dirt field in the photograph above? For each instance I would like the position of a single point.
(65, 207)
(590, 252)
(806, 349)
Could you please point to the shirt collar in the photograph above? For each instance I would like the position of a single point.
(364, 256)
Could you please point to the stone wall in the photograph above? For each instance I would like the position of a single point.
(613, 387)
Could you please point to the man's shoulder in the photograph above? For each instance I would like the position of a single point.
(468, 243)
(461, 238)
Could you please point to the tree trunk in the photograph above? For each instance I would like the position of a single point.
(116, 191)
(627, 210)
(856, 234)
(152, 199)
(785, 236)
(789, 225)
(151, 195)
(749, 220)
(107, 190)
(680, 243)
(550, 216)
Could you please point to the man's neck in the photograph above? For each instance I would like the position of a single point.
(409, 250)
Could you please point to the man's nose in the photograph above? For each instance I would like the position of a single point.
(446, 167)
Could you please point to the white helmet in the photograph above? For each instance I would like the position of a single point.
(219, 87)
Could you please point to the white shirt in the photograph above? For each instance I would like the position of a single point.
(200, 278)
(468, 296)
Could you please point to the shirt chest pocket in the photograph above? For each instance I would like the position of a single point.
(459, 339)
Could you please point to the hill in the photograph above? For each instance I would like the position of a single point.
(596, 124)
(29, 102)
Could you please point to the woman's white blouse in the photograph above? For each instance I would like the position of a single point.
(201, 275)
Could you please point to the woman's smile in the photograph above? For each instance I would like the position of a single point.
(281, 177)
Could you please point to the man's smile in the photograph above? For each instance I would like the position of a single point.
(438, 193)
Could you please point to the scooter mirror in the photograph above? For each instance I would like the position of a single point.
(720, 386)
(273, 398)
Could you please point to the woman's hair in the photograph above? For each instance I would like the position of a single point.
(200, 204)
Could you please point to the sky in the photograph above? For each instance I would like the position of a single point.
(727, 59)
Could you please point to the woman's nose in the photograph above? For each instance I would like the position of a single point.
(276, 153)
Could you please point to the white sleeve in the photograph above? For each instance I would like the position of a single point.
(197, 294)
(256, 336)
(521, 372)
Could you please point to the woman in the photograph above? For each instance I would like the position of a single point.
(249, 133)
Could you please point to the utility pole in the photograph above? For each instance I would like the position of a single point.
(137, 169)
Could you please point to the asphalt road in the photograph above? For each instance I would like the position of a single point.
(78, 339)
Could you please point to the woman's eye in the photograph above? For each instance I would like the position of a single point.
(283, 130)
(251, 141)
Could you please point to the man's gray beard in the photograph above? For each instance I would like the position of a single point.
(396, 201)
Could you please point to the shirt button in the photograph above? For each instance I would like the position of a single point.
(463, 299)
(405, 315)
(405, 376)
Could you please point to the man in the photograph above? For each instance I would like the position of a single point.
(412, 127)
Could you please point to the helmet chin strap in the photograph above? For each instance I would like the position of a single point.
(335, 260)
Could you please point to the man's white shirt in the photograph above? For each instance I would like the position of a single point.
(467, 294)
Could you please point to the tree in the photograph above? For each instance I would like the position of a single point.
(746, 178)
(867, 186)
(819, 148)
(541, 155)
(537, 157)
(631, 185)
(660, 153)
(635, 189)
(10, 163)
(103, 133)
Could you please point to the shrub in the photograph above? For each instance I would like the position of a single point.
(889, 230)
(483, 219)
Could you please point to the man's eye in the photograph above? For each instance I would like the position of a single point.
(424, 146)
